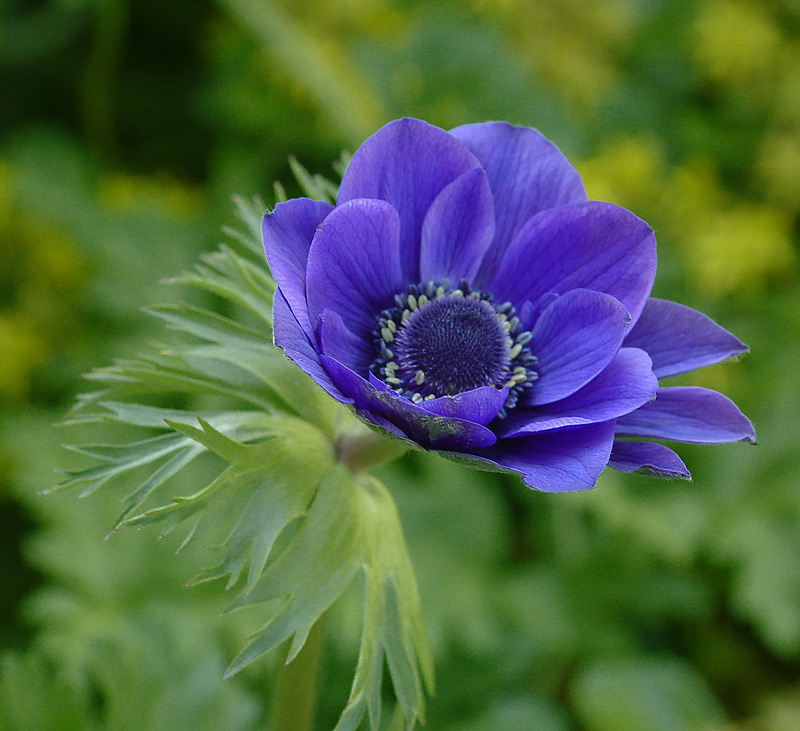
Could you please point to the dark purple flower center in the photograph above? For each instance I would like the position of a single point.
(439, 341)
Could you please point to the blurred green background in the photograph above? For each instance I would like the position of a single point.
(643, 604)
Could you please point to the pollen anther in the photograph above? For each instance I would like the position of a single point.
(449, 341)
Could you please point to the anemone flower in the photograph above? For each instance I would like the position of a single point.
(465, 296)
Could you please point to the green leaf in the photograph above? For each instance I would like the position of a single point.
(350, 526)
(206, 324)
(314, 186)
(657, 694)
(249, 212)
(289, 524)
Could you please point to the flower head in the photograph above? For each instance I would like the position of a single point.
(463, 294)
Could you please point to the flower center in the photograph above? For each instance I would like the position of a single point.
(439, 341)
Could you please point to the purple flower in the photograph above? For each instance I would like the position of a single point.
(463, 294)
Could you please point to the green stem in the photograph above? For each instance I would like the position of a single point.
(295, 695)
(99, 81)
(363, 449)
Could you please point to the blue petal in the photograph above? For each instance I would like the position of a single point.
(574, 339)
(591, 245)
(458, 229)
(354, 265)
(688, 414)
(680, 339)
(647, 458)
(287, 234)
(289, 336)
(530, 312)
(374, 399)
(556, 461)
(479, 405)
(407, 163)
(527, 174)
(340, 344)
(384, 424)
(624, 385)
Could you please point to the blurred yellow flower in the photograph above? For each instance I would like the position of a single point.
(735, 42)
(127, 192)
(628, 172)
(740, 249)
(23, 350)
(778, 167)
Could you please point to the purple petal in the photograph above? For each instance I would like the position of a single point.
(590, 245)
(384, 424)
(528, 174)
(557, 461)
(354, 265)
(479, 405)
(574, 339)
(289, 336)
(530, 312)
(647, 458)
(458, 229)
(626, 384)
(428, 430)
(407, 163)
(688, 414)
(680, 339)
(287, 234)
(340, 344)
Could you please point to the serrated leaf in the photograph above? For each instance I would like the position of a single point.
(350, 526)
(266, 486)
(206, 324)
(254, 276)
(153, 417)
(276, 476)
(314, 186)
(155, 376)
(206, 279)
(250, 212)
(119, 460)
(127, 457)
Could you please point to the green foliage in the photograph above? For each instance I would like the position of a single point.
(128, 126)
(292, 526)
(140, 670)
(657, 694)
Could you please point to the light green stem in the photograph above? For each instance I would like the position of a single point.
(295, 695)
(360, 450)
